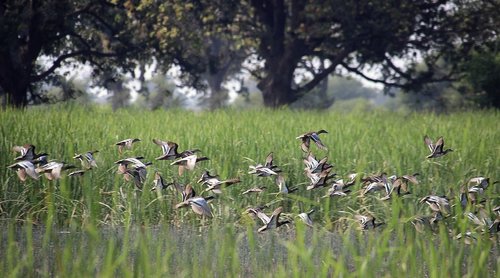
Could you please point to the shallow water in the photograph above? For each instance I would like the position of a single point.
(190, 250)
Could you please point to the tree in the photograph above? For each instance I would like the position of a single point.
(354, 35)
(483, 73)
(63, 31)
(193, 35)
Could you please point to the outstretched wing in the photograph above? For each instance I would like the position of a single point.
(429, 143)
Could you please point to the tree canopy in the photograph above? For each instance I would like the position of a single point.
(97, 32)
(292, 45)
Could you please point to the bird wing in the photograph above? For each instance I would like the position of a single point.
(200, 206)
(439, 145)
(269, 160)
(429, 143)
(318, 142)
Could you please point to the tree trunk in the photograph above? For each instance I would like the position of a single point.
(276, 86)
(15, 89)
(218, 95)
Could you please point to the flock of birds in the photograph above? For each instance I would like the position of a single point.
(319, 172)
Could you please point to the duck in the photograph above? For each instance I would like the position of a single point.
(169, 149)
(137, 175)
(481, 182)
(266, 170)
(437, 150)
(367, 222)
(273, 222)
(319, 179)
(199, 205)
(314, 136)
(306, 217)
(214, 184)
(261, 171)
(437, 204)
(87, 159)
(158, 182)
(485, 223)
(53, 169)
(27, 152)
(421, 222)
(315, 166)
(497, 210)
(24, 168)
(257, 190)
(339, 188)
(257, 212)
(188, 162)
(283, 188)
(134, 161)
(473, 189)
(186, 192)
(126, 144)
(379, 186)
(77, 173)
(401, 183)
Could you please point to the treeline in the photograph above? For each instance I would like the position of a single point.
(289, 47)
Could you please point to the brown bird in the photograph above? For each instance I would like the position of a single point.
(437, 204)
(169, 150)
(199, 205)
(158, 183)
(188, 162)
(273, 222)
(284, 189)
(306, 217)
(87, 159)
(214, 184)
(314, 136)
(401, 183)
(319, 179)
(53, 169)
(126, 144)
(24, 168)
(266, 170)
(258, 190)
(437, 149)
(27, 152)
(367, 222)
(315, 166)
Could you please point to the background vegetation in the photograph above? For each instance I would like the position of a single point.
(289, 47)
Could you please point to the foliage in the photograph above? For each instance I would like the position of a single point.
(100, 33)
(483, 74)
(317, 38)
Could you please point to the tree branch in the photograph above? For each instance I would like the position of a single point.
(358, 72)
(323, 74)
(57, 63)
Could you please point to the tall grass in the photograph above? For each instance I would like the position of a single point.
(99, 220)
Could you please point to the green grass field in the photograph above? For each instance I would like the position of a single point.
(100, 225)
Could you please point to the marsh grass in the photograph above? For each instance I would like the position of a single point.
(100, 225)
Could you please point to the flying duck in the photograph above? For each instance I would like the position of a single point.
(199, 205)
(27, 152)
(87, 159)
(53, 169)
(314, 136)
(273, 222)
(168, 148)
(437, 149)
(188, 162)
(24, 168)
(437, 203)
(306, 217)
(126, 144)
